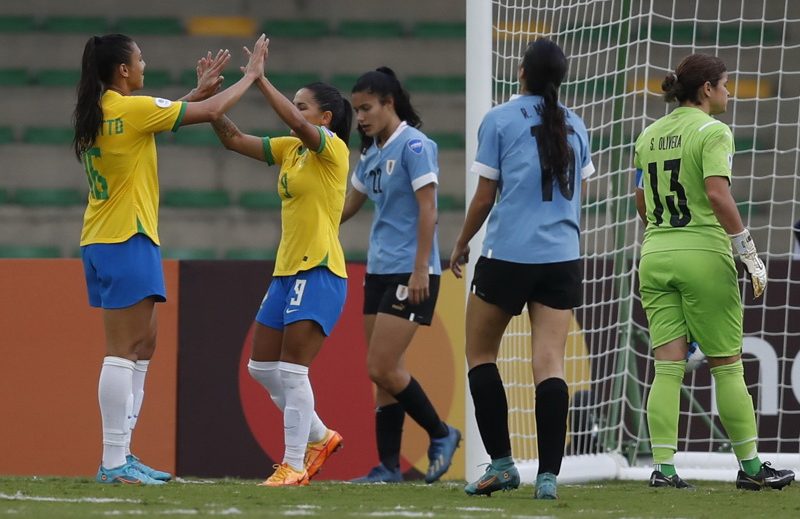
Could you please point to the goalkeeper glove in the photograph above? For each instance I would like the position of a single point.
(746, 249)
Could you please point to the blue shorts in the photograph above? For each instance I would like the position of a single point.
(119, 275)
(311, 295)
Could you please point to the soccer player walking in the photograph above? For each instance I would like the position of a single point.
(687, 277)
(532, 159)
(398, 171)
(309, 283)
(114, 138)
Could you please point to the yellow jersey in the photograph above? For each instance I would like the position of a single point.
(312, 185)
(122, 168)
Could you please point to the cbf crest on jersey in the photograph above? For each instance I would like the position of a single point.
(390, 166)
(415, 145)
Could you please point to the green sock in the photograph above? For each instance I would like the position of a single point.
(735, 406)
(668, 469)
(663, 407)
(751, 466)
(503, 463)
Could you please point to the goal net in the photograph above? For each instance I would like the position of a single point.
(619, 52)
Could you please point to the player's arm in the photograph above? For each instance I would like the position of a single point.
(479, 208)
(290, 114)
(640, 205)
(352, 204)
(233, 139)
(418, 283)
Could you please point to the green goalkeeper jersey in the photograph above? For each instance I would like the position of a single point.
(674, 155)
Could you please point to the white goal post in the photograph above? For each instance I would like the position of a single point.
(619, 52)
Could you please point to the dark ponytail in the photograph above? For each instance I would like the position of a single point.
(544, 66)
(692, 73)
(383, 83)
(331, 100)
(101, 56)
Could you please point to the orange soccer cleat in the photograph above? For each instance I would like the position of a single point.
(286, 476)
(318, 452)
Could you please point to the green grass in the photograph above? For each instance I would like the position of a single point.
(64, 497)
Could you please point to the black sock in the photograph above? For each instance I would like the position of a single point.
(552, 403)
(389, 433)
(415, 402)
(491, 409)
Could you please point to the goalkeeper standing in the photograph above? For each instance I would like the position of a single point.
(687, 277)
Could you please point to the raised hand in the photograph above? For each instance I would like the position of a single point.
(209, 69)
(256, 58)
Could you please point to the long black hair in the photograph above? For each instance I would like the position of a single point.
(692, 73)
(545, 66)
(331, 100)
(383, 83)
(101, 56)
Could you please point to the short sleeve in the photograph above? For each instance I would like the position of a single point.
(487, 158)
(587, 166)
(275, 148)
(357, 178)
(154, 114)
(420, 161)
(718, 151)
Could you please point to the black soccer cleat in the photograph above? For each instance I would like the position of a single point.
(767, 477)
(659, 480)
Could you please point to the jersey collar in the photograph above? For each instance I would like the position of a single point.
(400, 127)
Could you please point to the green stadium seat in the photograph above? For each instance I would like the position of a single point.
(196, 198)
(46, 197)
(3, 196)
(296, 28)
(188, 253)
(436, 84)
(370, 29)
(291, 81)
(157, 78)
(163, 26)
(749, 209)
(76, 24)
(203, 136)
(748, 143)
(594, 35)
(260, 200)
(680, 33)
(450, 202)
(57, 77)
(592, 87)
(28, 251)
(436, 30)
(251, 254)
(14, 77)
(47, 135)
(448, 141)
(355, 255)
(731, 34)
(6, 135)
(344, 82)
(16, 23)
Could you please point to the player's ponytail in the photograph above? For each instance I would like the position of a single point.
(384, 84)
(693, 72)
(101, 56)
(544, 66)
(331, 100)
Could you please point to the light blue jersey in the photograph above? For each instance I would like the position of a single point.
(389, 176)
(533, 221)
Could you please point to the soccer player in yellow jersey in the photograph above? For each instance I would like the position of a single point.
(309, 282)
(687, 276)
(114, 138)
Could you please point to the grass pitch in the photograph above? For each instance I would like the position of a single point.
(53, 498)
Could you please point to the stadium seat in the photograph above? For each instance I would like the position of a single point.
(195, 198)
(29, 251)
(86, 25)
(436, 84)
(3, 196)
(188, 253)
(157, 78)
(450, 202)
(14, 77)
(260, 200)
(46, 197)
(230, 26)
(344, 82)
(6, 135)
(448, 141)
(16, 23)
(203, 136)
(57, 77)
(749, 143)
(436, 30)
(291, 81)
(592, 87)
(296, 28)
(370, 29)
(680, 33)
(163, 26)
(251, 254)
(47, 135)
(355, 255)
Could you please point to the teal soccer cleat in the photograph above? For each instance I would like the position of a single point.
(160, 475)
(493, 480)
(440, 454)
(126, 474)
(546, 486)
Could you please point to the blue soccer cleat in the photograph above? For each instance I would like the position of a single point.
(146, 470)
(440, 454)
(493, 480)
(126, 474)
(546, 486)
(381, 474)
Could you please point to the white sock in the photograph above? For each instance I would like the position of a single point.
(297, 413)
(114, 391)
(139, 374)
(266, 374)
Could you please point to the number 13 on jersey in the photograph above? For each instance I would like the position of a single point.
(680, 215)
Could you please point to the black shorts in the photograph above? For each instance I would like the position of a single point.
(387, 294)
(511, 285)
